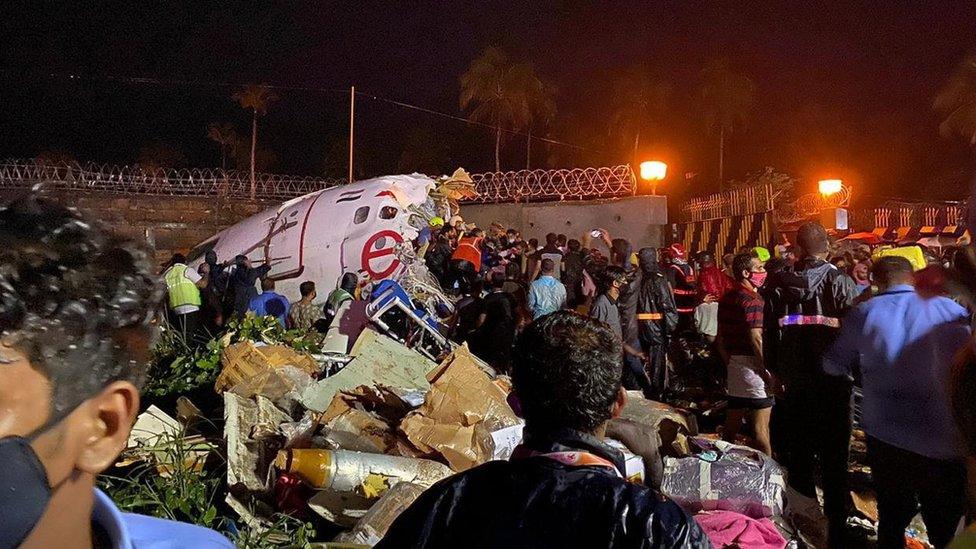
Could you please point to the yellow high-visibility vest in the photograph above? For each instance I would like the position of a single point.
(182, 290)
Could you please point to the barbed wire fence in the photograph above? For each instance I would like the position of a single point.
(517, 186)
(136, 180)
(567, 184)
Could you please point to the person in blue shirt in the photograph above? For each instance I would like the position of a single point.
(903, 344)
(546, 294)
(76, 305)
(270, 303)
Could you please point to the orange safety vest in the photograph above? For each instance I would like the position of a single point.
(469, 250)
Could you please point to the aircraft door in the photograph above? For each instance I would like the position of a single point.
(283, 248)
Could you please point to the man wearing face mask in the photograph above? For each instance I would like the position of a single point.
(749, 384)
(75, 305)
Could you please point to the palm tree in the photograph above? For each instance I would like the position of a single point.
(503, 94)
(158, 156)
(225, 136)
(727, 98)
(257, 99)
(956, 102)
(639, 103)
(542, 107)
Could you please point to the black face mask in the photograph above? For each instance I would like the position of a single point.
(24, 486)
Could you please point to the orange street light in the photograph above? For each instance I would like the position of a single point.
(654, 171)
(830, 186)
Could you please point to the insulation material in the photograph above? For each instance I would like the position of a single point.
(249, 454)
(377, 359)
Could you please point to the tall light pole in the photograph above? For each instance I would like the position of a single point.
(352, 127)
(653, 171)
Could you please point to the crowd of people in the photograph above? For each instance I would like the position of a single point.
(204, 300)
(791, 332)
(795, 331)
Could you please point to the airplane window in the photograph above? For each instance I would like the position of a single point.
(388, 212)
(361, 214)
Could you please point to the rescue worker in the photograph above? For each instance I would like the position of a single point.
(684, 284)
(657, 318)
(183, 285)
(466, 260)
(684, 287)
(620, 254)
(811, 300)
(345, 291)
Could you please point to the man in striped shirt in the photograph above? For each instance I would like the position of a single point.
(739, 342)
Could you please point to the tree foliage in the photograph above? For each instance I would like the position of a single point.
(504, 94)
(256, 98)
(783, 184)
(639, 104)
(727, 97)
(226, 138)
(956, 102)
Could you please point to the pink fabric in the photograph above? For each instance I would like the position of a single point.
(731, 529)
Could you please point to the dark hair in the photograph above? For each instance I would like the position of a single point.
(275, 307)
(620, 250)
(477, 286)
(497, 280)
(551, 239)
(813, 238)
(534, 242)
(306, 288)
(611, 274)
(267, 284)
(776, 264)
(566, 372)
(891, 268)
(561, 238)
(574, 245)
(513, 270)
(548, 265)
(962, 395)
(742, 262)
(348, 282)
(177, 258)
(74, 298)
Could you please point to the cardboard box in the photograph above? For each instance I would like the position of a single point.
(633, 464)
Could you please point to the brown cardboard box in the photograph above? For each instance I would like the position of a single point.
(245, 360)
(461, 410)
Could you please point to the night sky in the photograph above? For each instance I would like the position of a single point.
(845, 89)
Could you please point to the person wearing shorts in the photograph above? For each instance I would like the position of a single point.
(739, 342)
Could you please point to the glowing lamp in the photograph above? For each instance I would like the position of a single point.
(653, 170)
(830, 186)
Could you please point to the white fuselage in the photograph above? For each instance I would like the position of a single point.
(320, 236)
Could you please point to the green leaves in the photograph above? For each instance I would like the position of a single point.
(175, 368)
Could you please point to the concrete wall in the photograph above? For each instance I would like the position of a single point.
(167, 224)
(640, 219)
